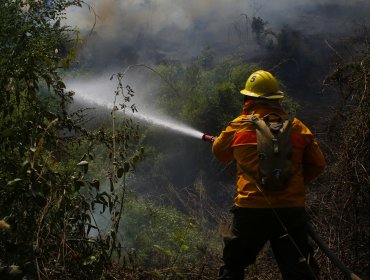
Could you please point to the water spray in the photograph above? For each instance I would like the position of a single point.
(91, 92)
(168, 123)
(175, 126)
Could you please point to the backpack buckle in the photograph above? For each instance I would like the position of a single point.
(275, 127)
(254, 118)
(275, 145)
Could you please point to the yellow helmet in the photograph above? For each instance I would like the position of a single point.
(262, 84)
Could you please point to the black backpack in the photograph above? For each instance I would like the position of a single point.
(274, 147)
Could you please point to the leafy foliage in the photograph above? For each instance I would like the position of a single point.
(47, 194)
(195, 85)
(166, 242)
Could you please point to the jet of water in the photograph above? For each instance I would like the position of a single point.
(149, 118)
(170, 124)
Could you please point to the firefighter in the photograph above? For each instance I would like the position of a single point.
(266, 215)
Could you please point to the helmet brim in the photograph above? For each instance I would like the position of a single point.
(276, 95)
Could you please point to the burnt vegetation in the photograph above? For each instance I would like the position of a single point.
(342, 209)
(88, 193)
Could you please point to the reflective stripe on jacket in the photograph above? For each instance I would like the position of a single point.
(239, 142)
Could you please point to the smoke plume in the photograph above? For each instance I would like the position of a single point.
(126, 32)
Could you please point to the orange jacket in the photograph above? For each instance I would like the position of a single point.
(238, 141)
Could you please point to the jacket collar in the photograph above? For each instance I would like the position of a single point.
(262, 107)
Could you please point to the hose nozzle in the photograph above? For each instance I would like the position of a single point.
(208, 138)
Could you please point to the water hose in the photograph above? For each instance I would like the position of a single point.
(329, 253)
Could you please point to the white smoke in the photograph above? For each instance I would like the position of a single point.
(154, 16)
(138, 30)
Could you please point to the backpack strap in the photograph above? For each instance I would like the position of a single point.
(274, 155)
(271, 129)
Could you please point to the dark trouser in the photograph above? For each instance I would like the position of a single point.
(252, 228)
